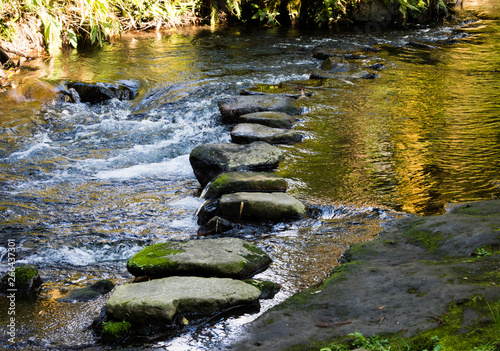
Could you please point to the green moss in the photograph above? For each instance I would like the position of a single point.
(154, 259)
(431, 241)
(113, 332)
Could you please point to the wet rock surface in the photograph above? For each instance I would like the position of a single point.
(225, 257)
(397, 282)
(268, 118)
(99, 92)
(233, 107)
(233, 182)
(88, 293)
(210, 160)
(262, 206)
(246, 133)
(159, 301)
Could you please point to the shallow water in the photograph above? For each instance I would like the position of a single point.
(85, 187)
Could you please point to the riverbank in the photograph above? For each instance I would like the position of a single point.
(423, 281)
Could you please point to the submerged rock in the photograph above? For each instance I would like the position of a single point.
(89, 293)
(268, 118)
(25, 281)
(159, 300)
(233, 182)
(226, 257)
(210, 160)
(233, 107)
(99, 92)
(323, 52)
(266, 206)
(337, 64)
(245, 133)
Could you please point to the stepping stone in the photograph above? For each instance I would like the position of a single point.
(261, 206)
(233, 182)
(233, 107)
(210, 160)
(159, 301)
(245, 133)
(320, 74)
(268, 118)
(226, 257)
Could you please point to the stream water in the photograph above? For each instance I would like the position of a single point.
(85, 187)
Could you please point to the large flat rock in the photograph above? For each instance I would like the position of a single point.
(404, 281)
(268, 118)
(233, 107)
(225, 257)
(210, 160)
(158, 301)
(246, 133)
(261, 206)
(234, 182)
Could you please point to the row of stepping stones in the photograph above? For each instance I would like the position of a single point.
(204, 276)
(237, 177)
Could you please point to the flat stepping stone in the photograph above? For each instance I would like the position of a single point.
(320, 74)
(245, 133)
(159, 301)
(268, 118)
(233, 182)
(233, 107)
(261, 206)
(226, 257)
(210, 160)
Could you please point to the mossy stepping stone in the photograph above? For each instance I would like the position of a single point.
(233, 182)
(269, 118)
(261, 206)
(233, 107)
(246, 133)
(159, 301)
(210, 160)
(226, 257)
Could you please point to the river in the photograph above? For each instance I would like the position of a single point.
(85, 187)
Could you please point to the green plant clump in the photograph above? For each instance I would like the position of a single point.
(113, 332)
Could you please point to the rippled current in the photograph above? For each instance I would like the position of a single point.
(85, 187)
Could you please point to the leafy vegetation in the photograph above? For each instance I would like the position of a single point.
(68, 23)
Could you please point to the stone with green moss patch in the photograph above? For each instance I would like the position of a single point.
(24, 279)
(233, 182)
(226, 257)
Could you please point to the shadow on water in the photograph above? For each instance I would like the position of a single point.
(83, 187)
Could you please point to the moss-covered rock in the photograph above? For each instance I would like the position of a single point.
(113, 332)
(233, 107)
(234, 182)
(89, 293)
(25, 280)
(226, 257)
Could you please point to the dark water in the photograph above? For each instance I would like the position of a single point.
(85, 187)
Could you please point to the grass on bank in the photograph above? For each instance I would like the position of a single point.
(452, 334)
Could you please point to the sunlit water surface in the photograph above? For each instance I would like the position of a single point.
(84, 187)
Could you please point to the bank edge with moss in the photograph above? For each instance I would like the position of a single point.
(420, 292)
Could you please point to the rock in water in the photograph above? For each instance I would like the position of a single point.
(24, 279)
(235, 182)
(99, 92)
(233, 107)
(246, 133)
(268, 118)
(159, 300)
(210, 160)
(226, 257)
(268, 206)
